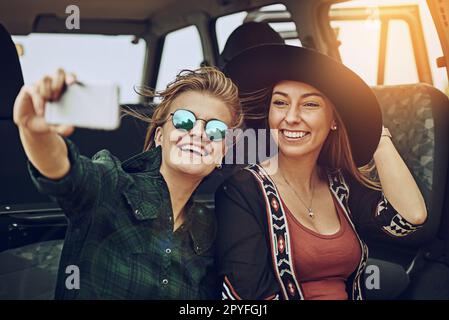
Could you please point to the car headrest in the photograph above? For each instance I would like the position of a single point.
(11, 79)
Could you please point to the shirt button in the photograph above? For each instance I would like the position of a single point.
(168, 250)
(165, 282)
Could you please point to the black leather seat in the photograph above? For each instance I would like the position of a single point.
(418, 117)
(12, 161)
(20, 277)
(11, 79)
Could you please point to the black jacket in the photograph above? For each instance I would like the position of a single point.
(253, 240)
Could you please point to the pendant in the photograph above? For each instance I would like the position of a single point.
(310, 213)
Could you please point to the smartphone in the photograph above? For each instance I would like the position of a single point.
(86, 106)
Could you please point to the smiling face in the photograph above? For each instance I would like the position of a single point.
(192, 152)
(303, 117)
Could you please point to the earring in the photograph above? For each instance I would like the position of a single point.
(334, 127)
(219, 166)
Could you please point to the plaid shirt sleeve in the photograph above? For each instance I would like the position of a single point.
(88, 182)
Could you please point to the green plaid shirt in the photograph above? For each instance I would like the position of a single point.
(120, 232)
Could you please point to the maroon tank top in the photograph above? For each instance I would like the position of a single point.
(323, 263)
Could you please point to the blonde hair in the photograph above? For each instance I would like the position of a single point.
(336, 151)
(207, 80)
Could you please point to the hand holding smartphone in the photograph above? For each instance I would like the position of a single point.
(86, 106)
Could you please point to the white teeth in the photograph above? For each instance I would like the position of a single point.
(194, 148)
(294, 134)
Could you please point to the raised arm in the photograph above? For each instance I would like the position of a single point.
(398, 184)
(43, 145)
(57, 169)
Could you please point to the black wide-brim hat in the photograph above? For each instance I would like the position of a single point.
(263, 66)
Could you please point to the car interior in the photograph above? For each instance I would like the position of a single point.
(32, 226)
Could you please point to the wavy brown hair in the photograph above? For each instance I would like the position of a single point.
(336, 151)
(206, 80)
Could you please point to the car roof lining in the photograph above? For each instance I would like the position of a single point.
(118, 17)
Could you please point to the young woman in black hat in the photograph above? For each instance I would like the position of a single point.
(297, 232)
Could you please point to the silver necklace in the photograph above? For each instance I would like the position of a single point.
(309, 208)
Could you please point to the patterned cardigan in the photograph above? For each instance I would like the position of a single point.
(253, 243)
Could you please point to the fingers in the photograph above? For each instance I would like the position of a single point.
(22, 104)
(40, 93)
(44, 88)
(48, 89)
(58, 84)
(63, 130)
(32, 117)
(67, 130)
(36, 124)
(29, 107)
(37, 99)
(70, 79)
(51, 88)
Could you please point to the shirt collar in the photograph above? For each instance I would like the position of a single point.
(200, 221)
(147, 161)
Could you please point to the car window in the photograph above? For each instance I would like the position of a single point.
(354, 56)
(93, 58)
(360, 40)
(226, 24)
(287, 29)
(400, 68)
(182, 50)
